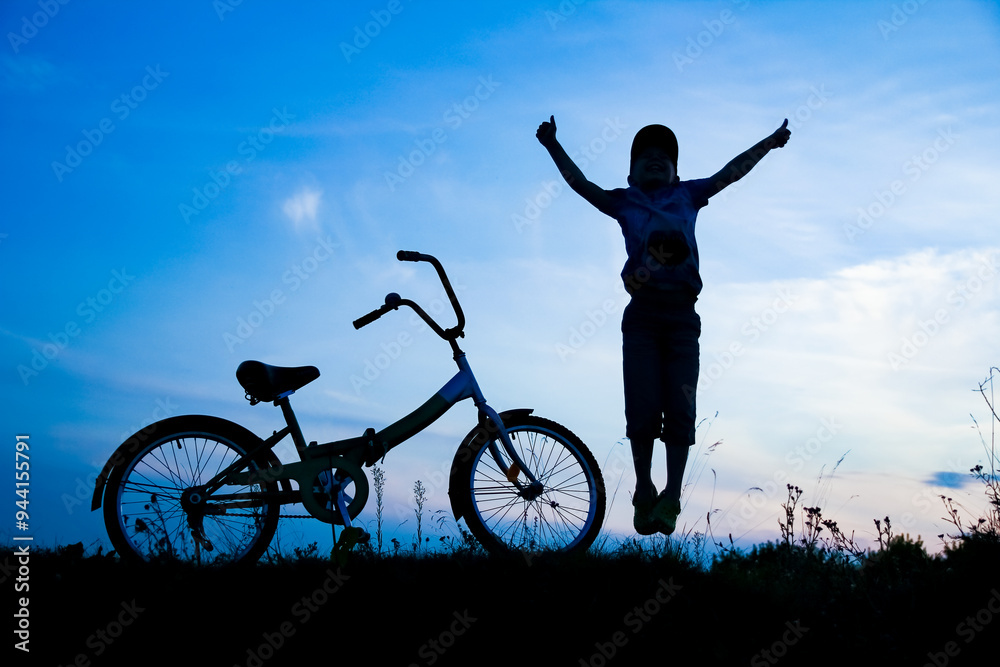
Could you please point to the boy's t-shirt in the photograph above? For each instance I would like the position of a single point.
(659, 235)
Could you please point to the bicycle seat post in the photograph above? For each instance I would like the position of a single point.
(293, 423)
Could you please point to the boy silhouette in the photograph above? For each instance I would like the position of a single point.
(660, 328)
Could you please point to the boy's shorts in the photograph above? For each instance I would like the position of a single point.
(660, 362)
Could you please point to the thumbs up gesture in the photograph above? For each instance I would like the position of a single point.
(781, 135)
(546, 133)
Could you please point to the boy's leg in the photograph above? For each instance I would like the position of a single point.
(680, 371)
(644, 499)
(677, 456)
(643, 420)
(643, 416)
(642, 457)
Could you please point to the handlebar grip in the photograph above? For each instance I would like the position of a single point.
(409, 256)
(369, 318)
(391, 303)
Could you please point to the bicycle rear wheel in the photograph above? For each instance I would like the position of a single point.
(565, 517)
(143, 512)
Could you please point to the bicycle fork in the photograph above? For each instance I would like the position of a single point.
(464, 385)
(491, 421)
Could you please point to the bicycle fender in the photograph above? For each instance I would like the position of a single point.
(456, 492)
(137, 439)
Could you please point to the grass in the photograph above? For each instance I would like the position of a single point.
(810, 596)
(893, 604)
(890, 605)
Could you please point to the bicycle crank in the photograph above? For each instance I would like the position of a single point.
(334, 490)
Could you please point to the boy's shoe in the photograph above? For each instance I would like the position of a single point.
(664, 513)
(642, 519)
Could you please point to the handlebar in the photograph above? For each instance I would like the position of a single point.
(411, 256)
(394, 301)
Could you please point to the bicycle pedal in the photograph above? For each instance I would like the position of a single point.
(351, 536)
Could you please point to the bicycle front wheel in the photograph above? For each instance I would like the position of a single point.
(143, 512)
(565, 517)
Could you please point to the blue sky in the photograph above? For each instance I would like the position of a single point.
(195, 184)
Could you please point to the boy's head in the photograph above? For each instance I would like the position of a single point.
(654, 158)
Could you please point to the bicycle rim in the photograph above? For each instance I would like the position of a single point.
(565, 517)
(148, 503)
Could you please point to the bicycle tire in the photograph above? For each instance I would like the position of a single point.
(566, 517)
(142, 510)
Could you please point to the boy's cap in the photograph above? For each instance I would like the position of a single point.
(654, 136)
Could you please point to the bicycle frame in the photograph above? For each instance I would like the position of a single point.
(348, 455)
(157, 501)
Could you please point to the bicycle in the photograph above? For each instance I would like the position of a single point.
(205, 489)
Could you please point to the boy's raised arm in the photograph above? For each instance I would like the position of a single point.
(740, 165)
(597, 196)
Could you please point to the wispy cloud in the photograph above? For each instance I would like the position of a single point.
(302, 207)
(951, 480)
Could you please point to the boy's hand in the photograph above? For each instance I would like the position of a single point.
(745, 161)
(594, 194)
(780, 136)
(546, 133)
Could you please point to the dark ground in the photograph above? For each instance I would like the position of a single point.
(472, 610)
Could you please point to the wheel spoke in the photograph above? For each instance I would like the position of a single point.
(151, 520)
(565, 516)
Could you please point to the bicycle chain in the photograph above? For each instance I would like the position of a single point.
(280, 516)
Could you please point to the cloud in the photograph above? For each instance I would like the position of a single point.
(301, 208)
(950, 480)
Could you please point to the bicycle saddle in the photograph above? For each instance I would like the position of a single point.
(264, 382)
